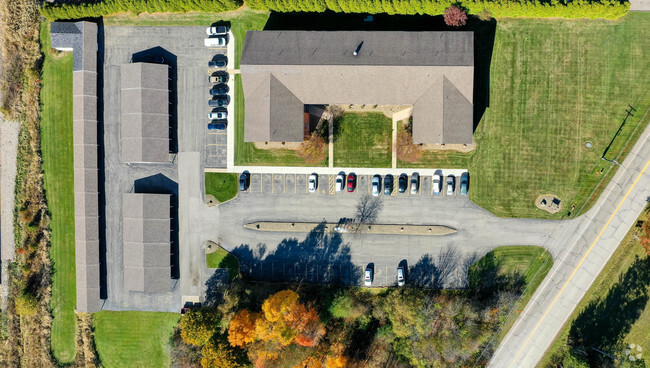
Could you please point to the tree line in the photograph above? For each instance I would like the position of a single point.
(609, 9)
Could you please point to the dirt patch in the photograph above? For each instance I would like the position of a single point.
(549, 203)
(277, 145)
(387, 110)
(449, 147)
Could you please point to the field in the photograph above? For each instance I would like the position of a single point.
(56, 133)
(134, 339)
(362, 140)
(621, 293)
(222, 186)
(221, 258)
(554, 86)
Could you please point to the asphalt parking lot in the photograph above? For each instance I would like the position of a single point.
(298, 184)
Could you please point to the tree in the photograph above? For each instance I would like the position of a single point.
(368, 209)
(455, 16)
(312, 150)
(338, 361)
(242, 328)
(219, 355)
(198, 326)
(645, 237)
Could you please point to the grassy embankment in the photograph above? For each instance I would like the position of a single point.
(134, 339)
(58, 177)
(223, 186)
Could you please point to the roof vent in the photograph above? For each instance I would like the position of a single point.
(356, 52)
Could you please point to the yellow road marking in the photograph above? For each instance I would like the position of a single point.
(591, 247)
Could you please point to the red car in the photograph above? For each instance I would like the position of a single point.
(352, 182)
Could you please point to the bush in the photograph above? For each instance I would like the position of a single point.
(610, 9)
(26, 304)
(94, 10)
(455, 16)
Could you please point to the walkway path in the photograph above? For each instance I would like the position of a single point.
(639, 5)
(8, 148)
(585, 245)
(330, 144)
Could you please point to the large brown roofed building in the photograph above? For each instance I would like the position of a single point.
(284, 70)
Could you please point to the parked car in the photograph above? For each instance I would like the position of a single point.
(388, 184)
(219, 63)
(464, 183)
(340, 179)
(415, 183)
(219, 101)
(217, 126)
(403, 182)
(217, 115)
(216, 41)
(352, 182)
(376, 183)
(437, 182)
(218, 78)
(216, 31)
(400, 276)
(313, 183)
(219, 89)
(244, 181)
(367, 278)
(450, 185)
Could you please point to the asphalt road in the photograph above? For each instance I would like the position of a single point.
(584, 248)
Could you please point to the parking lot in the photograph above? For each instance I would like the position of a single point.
(298, 184)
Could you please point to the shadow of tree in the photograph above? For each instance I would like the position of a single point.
(321, 258)
(438, 273)
(605, 321)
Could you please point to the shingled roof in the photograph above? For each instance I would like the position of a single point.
(145, 112)
(284, 70)
(146, 257)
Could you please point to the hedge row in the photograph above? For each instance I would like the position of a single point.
(106, 7)
(610, 9)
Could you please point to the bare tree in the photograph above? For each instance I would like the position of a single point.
(368, 209)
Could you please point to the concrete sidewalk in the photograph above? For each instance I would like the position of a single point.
(586, 245)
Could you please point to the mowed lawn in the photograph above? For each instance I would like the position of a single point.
(363, 140)
(554, 86)
(58, 177)
(223, 186)
(134, 339)
(623, 308)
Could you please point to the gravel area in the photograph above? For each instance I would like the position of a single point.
(8, 148)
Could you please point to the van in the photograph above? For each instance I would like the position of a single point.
(215, 42)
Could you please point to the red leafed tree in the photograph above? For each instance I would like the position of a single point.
(455, 16)
(645, 237)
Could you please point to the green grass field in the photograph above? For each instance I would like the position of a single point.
(362, 140)
(223, 186)
(619, 264)
(554, 86)
(221, 258)
(134, 339)
(58, 177)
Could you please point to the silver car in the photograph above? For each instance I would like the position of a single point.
(375, 185)
(367, 279)
(450, 185)
(400, 276)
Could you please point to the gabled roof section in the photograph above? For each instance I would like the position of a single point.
(457, 115)
(286, 114)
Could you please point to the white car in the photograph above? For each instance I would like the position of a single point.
(313, 183)
(340, 179)
(450, 185)
(218, 115)
(367, 279)
(216, 31)
(437, 180)
(400, 276)
(375, 185)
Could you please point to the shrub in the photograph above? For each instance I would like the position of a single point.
(198, 326)
(455, 16)
(93, 10)
(26, 304)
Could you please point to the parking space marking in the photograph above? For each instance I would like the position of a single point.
(332, 183)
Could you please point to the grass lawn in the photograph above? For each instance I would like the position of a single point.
(554, 86)
(610, 286)
(362, 140)
(437, 159)
(221, 258)
(223, 186)
(247, 154)
(134, 339)
(58, 177)
(533, 262)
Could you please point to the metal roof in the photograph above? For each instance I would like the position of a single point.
(282, 71)
(144, 112)
(146, 233)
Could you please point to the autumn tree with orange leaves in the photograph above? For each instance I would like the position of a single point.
(645, 237)
(241, 331)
